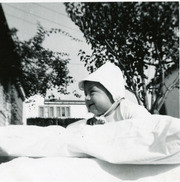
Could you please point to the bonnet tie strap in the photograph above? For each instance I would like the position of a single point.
(101, 120)
(113, 107)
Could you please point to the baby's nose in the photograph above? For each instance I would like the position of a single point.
(87, 97)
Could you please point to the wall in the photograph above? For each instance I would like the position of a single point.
(5, 107)
(79, 111)
(10, 106)
(17, 106)
(173, 100)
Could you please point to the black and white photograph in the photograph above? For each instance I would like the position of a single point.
(89, 91)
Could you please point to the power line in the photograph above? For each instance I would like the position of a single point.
(19, 18)
(46, 19)
(73, 64)
(63, 32)
(54, 11)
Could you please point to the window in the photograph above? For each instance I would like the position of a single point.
(41, 112)
(51, 112)
(58, 111)
(46, 113)
(63, 111)
(67, 111)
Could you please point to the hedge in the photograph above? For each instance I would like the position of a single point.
(51, 121)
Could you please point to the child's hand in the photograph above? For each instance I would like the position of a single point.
(94, 121)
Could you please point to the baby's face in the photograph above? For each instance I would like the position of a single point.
(98, 99)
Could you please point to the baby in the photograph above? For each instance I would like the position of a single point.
(105, 96)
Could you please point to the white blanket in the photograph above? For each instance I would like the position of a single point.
(122, 151)
(64, 169)
(155, 141)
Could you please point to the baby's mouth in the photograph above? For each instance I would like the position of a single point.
(91, 105)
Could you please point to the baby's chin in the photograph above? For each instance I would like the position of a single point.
(96, 113)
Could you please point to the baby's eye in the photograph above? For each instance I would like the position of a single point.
(92, 92)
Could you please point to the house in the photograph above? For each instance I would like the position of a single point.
(11, 91)
(57, 108)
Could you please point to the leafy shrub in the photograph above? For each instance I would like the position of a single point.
(51, 121)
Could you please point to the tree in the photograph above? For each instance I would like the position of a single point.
(137, 37)
(41, 69)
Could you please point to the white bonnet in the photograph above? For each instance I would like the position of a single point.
(110, 76)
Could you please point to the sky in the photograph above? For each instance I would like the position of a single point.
(25, 17)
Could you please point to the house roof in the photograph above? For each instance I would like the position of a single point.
(64, 102)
